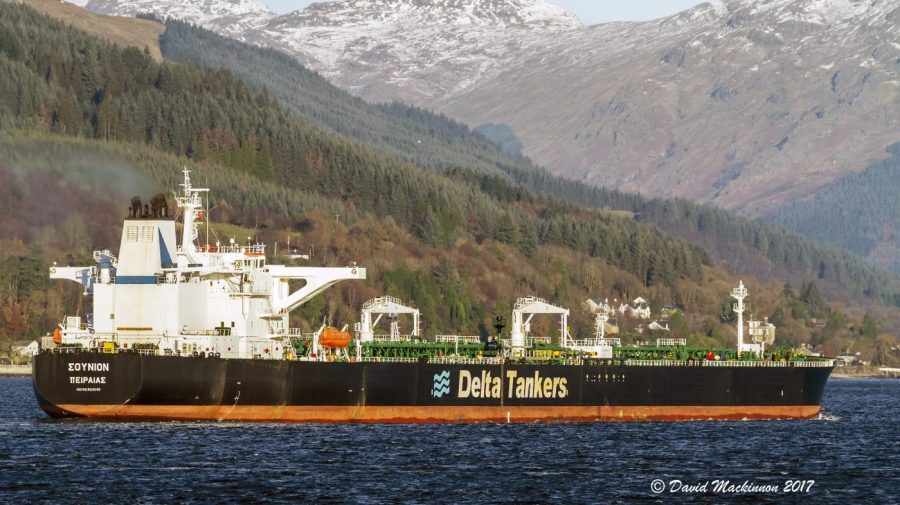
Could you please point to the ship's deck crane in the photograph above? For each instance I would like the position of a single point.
(520, 326)
(316, 280)
(385, 305)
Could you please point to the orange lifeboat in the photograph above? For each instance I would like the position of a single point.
(334, 338)
(57, 336)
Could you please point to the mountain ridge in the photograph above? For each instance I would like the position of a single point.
(745, 108)
(366, 33)
(741, 104)
(231, 17)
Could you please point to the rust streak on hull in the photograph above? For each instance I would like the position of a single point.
(414, 414)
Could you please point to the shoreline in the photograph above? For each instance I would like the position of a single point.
(15, 370)
(862, 372)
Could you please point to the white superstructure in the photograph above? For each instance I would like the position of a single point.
(158, 297)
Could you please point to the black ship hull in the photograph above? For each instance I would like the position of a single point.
(134, 386)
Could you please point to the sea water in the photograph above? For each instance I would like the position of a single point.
(850, 454)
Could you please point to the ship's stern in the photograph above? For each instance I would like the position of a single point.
(85, 384)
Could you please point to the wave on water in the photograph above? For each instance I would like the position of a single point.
(606, 462)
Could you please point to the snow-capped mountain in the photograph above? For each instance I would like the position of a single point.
(229, 17)
(416, 50)
(744, 103)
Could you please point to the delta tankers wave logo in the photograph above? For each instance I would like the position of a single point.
(441, 384)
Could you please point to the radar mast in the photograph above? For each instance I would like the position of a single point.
(191, 202)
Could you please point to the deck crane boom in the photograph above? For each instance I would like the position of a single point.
(520, 326)
(385, 305)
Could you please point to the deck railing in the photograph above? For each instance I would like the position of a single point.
(459, 360)
(529, 341)
(394, 338)
(446, 360)
(461, 339)
(771, 364)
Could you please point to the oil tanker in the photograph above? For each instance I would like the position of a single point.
(201, 332)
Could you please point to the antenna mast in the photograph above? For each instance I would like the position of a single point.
(191, 202)
(739, 293)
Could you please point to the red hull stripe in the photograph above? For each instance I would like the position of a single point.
(409, 414)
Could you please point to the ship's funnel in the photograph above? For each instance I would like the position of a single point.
(146, 301)
(147, 247)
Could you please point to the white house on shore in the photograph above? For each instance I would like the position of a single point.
(639, 309)
(656, 326)
(28, 350)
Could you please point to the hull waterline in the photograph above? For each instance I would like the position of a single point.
(135, 387)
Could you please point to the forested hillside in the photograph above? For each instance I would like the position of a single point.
(459, 241)
(756, 248)
(859, 213)
(65, 196)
